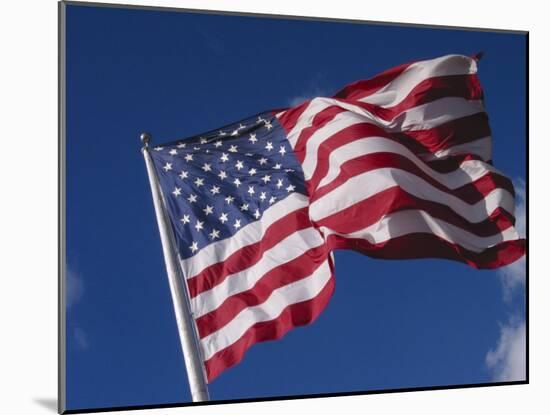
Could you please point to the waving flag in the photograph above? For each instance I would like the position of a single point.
(397, 166)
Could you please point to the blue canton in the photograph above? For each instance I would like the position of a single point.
(216, 183)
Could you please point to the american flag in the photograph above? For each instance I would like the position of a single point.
(397, 166)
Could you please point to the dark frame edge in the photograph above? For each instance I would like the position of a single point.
(61, 265)
(527, 207)
(294, 397)
(289, 17)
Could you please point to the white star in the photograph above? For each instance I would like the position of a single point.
(214, 234)
(289, 170)
(194, 247)
(185, 219)
(260, 120)
(222, 175)
(203, 140)
(262, 161)
(192, 198)
(248, 154)
(206, 167)
(262, 196)
(290, 188)
(252, 171)
(189, 157)
(223, 218)
(269, 146)
(199, 182)
(173, 152)
(239, 165)
(232, 149)
(208, 210)
(167, 166)
(266, 178)
(251, 190)
(196, 148)
(237, 223)
(279, 183)
(229, 199)
(224, 157)
(253, 138)
(222, 133)
(257, 213)
(181, 145)
(183, 175)
(277, 166)
(215, 190)
(282, 150)
(218, 143)
(244, 207)
(268, 125)
(158, 148)
(177, 191)
(198, 225)
(237, 182)
(272, 200)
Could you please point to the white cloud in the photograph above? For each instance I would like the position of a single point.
(74, 288)
(521, 223)
(81, 338)
(513, 276)
(507, 360)
(312, 91)
(297, 100)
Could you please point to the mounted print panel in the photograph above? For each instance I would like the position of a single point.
(268, 207)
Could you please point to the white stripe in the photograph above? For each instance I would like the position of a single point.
(417, 221)
(368, 184)
(398, 89)
(296, 292)
(337, 124)
(469, 170)
(421, 117)
(481, 147)
(288, 249)
(305, 120)
(247, 235)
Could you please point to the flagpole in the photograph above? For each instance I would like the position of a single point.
(178, 287)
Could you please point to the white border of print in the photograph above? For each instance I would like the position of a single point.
(28, 304)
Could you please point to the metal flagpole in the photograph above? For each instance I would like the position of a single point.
(178, 287)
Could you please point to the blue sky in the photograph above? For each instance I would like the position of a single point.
(390, 324)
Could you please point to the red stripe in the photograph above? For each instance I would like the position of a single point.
(290, 117)
(471, 192)
(321, 119)
(250, 254)
(295, 315)
(363, 88)
(364, 130)
(429, 90)
(284, 274)
(432, 89)
(464, 86)
(350, 134)
(423, 245)
(395, 199)
(460, 131)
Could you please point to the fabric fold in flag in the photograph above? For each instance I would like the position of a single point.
(397, 167)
